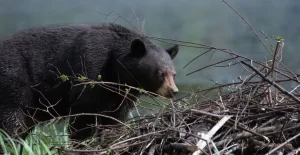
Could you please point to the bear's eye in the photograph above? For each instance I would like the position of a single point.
(174, 76)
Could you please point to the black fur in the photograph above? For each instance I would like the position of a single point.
(32, 61)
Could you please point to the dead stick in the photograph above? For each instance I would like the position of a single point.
(151, 150)
(239, 125)
(272, 83)
(205, 113)
(202, 143)
(237, 136)
(278, 49)
(283, 144)
(295, 151)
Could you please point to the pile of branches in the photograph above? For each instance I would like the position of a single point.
(253, 116)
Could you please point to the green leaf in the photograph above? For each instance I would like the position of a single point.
(99, 77)
(141, 90)
(82, 78)
(64, 78)
(92, 84)
(278, 38)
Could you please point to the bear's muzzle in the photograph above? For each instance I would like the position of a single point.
(168, 88)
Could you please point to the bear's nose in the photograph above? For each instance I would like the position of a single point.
(174, 91)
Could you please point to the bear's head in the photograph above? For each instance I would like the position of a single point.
(152, 67)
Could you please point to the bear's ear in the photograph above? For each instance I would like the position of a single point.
(138, 47)
(173, 51)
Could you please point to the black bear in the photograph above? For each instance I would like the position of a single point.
(43, 70)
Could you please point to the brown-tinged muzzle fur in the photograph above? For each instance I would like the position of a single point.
(168, 89)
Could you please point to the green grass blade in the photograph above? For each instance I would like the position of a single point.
(3, 145)
(26, 147)
(16, 152)
(45, 147)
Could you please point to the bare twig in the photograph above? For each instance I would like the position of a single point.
(202, 143)
(272, 83)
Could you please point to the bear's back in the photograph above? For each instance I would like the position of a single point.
(50, 40)
(55, 44)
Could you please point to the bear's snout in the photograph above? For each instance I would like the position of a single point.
(174, 90)
(168, 88)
